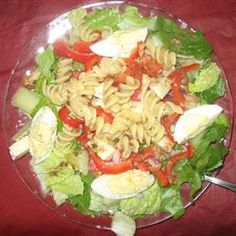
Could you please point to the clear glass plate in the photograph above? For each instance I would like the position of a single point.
(14, 120)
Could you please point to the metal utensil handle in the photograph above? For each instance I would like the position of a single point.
(221, 183)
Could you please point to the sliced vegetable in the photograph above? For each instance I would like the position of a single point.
(63, 50)
(167, 122)
(108, 117)
(64, 116)
(109, 168)
(25, 100)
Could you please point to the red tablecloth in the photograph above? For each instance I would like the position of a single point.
(22, 214)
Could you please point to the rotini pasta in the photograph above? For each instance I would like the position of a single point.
(64, 70)
(57, 93)
(65, 136)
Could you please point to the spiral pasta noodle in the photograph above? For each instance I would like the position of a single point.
(161, 54)
(34, 76)
(65, 136)
(64, 70)
(57, 93)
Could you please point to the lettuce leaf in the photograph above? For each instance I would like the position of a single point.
(103, 18)
(209, 149)
(186, 173)
(181, 41)
(132, 19)
(206, 79)
(76, 16)
(148, 202)
(171, 201)
(103, 205)
(56, 176)
(215, 92)
(46, 62)
(82, 202)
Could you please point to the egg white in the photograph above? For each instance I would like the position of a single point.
(195, 121)
(124, 185)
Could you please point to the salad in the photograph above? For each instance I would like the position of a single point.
(122, 114)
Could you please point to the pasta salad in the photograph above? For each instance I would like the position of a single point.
(121, 115)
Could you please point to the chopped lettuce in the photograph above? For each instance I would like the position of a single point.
(76, 16)
(56, 176)
(181, 41)
(101, 204)
(132, 19)
(171, 201)
(148, 202)
(123, 225)
(103, 18)
(215, 92)
(82, 202)
(46, 61)
(186, 173)
(206, 79)
(209, 149)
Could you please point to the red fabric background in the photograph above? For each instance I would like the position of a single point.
(22, 214)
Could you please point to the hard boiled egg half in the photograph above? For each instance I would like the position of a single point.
(120, 43)
(124, 185)
(42, 134)
(194, 121)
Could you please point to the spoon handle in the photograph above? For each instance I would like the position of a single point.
(221, 183)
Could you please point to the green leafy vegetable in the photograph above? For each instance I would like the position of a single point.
(56, 176)
(181, 41)
(171, 201)
(186, 173)
(101, 204)
(131, 18)
(206, 79)
(103, 18)
(45, 61)
(76, 16)
(209, 148)
(215, 92)
(147, 203)
(82, 202)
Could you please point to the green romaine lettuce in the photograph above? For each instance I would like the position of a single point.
(209, 149)
(56, 176)
(206, 79)
(132, 19)
(171, 201)
(182, 42)
(101, 204)
(76, 16)
(148, 202)
(82, 202)
(103, 18)
(46, 61)
(186, 173)
(215, 92)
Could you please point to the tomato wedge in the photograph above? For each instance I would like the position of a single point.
(136, 96)
(150, 65)
(64, 116)
(119, 79)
